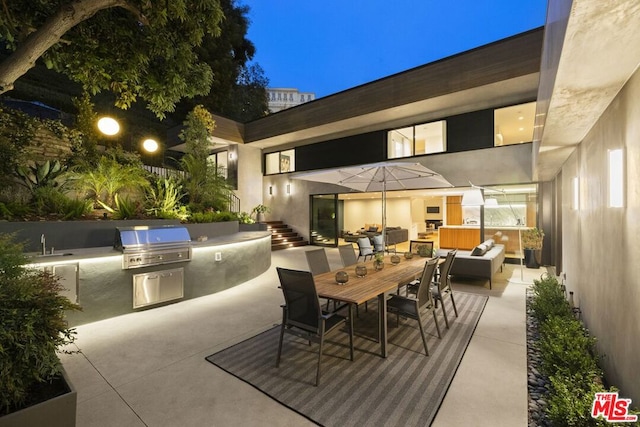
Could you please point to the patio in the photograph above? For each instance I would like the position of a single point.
(148, 368)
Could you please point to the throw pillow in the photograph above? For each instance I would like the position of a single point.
(479, 250)
(373, 229)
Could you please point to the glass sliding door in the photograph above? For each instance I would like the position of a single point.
(324, 220)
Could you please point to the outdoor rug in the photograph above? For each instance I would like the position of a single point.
(405, 389)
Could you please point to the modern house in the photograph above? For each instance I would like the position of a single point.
(577, 80)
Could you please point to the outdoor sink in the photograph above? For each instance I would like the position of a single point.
(53, 254)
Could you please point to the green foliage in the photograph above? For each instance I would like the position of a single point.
(206, 188)
(40, 174)
(32, 313)
(109, 177)
(146, 50)
(548, 299)
(532, 238)
(261, 209)
(204, 217)
(163, 199)
(245, 218)
(16, 133)
(568, 358)
(198, 128)
(570, 405)
(125, 208)
(566, 347)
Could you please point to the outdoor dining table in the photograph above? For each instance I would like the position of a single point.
(377, 283)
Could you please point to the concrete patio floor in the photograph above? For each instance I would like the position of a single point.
(148, 368)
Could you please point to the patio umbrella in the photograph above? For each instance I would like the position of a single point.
(381, 177)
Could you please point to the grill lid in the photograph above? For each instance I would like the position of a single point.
(149, 237)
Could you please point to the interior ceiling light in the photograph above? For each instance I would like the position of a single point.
(108, 126)
(150, 145)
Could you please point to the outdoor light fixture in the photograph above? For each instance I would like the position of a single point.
(108, 126)
(472, 197)
(616, 178)
(575, 203)
(288, 188)
(271, 190)
(150, 145)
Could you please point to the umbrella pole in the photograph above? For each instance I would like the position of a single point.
(384, 214)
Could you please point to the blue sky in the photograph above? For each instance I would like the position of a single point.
(330, 46)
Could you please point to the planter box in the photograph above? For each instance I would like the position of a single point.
(57, 412)
(253, 227)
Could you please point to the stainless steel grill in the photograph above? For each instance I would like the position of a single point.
(144, 246)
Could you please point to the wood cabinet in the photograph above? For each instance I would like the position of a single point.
(454, 210)
(462, 238)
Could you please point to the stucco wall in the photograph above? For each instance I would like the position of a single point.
(601, 244)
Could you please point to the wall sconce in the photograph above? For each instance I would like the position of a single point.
(232, 155)
(288, 188)
(616, 178)
(575, 202)
(472, 197)
(271, 190)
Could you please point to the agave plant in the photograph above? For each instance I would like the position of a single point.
(38, 175)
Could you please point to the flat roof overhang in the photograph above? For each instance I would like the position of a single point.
(501, 73)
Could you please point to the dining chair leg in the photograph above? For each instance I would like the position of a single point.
(444, 311)
(455, 310)
(424, 339)
(435, 319)
(319, 358)
(280, 346)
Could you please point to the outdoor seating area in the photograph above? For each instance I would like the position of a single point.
(111, 386)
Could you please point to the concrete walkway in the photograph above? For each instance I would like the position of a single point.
(148, 368)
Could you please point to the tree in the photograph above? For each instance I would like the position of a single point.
(134, 48)
(238, 90)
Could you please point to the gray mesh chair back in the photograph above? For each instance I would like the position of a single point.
(411, 307)
(302, 316)
(442, 285)
(347, 255)
(318, 261)
(378, 243)
(364, 247)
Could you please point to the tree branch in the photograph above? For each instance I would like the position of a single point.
(51, 32)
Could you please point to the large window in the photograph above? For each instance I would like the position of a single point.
(426, 138)
(514, 125)
(280, 162)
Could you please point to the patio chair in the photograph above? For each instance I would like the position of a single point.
(442, 285)
(411, 307)
(378, 243)
(302, 316)
(318, 261)
(365, 249)
(347, 255)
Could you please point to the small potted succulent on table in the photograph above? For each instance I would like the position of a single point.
(378, 261)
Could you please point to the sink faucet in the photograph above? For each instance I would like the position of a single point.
(43, 244)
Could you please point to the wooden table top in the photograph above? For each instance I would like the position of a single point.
(360, 289)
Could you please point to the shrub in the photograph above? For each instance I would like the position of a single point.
(570, 405)
(32, 313)
(548, 299)
(567, 348)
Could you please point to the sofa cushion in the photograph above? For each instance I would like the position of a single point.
(372, 228)
(479, 250)
(489, 243)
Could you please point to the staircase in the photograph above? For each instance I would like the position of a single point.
(282, 236)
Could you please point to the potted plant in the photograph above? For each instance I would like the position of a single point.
(33, 389)
(532, 246)
(260, 210)
(378, 261)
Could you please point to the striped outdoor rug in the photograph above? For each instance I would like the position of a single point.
(405, 389)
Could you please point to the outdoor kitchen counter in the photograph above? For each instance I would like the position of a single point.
(105, 289)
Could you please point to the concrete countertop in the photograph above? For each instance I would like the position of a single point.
(79, 254)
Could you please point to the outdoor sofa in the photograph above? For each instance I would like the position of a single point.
(482, 262)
